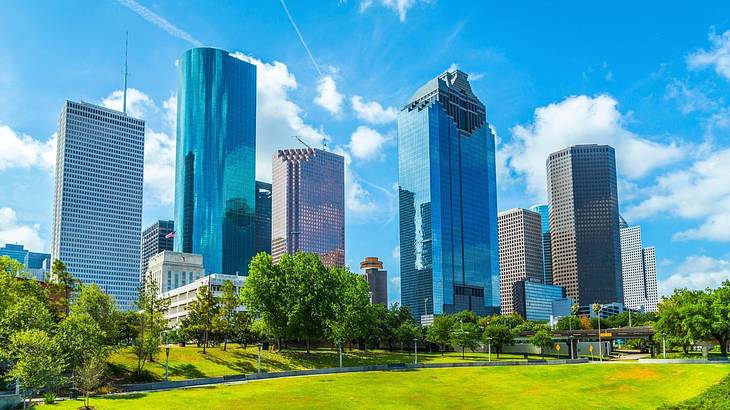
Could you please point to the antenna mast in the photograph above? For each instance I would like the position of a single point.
(126, 47)
(302, 141)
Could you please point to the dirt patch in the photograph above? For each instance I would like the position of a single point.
(637, 373)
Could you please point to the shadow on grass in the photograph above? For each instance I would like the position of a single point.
(130, 396)
(187, 371)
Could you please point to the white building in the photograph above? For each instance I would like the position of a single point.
(638, 271)
(520, 252)
(181, 298)
(170, 270)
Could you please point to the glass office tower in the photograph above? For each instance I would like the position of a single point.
(215, 192)
(447, 200)
(547, 263)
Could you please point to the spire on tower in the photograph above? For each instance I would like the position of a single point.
(126, 47)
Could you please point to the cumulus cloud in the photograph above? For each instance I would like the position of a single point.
(401, 7)
(372, 111)
(689, 99)
(696, 272)
(357, 199)
(581, 120)
(717, 57)
(699, 192)
(327, 95)
(367, 144)
(23, 151)
(396, 253)
(170, 107)
(139, 104)
(12, 232)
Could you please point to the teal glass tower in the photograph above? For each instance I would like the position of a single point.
(215, 191)
(447, 201)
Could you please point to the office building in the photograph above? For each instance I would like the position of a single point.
(520, 252)
(170, 270)
(447, 200)
(215, 192)
(308, 204)
(562, 307)
(156, 238)
(263, 217)
(533, 300)
(584, 223)
(37, 264)
(97, 218)
(377, 278)
(638, 265)
(180, 299)
(547, 263)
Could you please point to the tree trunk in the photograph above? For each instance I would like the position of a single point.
(442, 348)
(205, 338)
(225, 341)
(307, 341)
(462, 353)
(722, 340)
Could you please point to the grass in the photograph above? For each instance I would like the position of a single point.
(715, 398)
(589, 386)
(189, 362)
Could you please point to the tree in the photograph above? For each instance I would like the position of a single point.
(440, 331)
(397, 315)
(24, 313)
(80, 338)
(405, 334)
(65, 280)
(150, 322)
(242, 328)
(721, 313)
(11, 267)
(466, 316)
(350, 314)
(229, 302)
(102, 309)
(89, 376)
(204, 307)
(38, 361)
(568, 323)
(500, 336)
(542, 339)
(464, 335)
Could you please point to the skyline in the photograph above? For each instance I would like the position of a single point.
(662, 109)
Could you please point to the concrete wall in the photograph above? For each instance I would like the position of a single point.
(534, 350)
(9, 401)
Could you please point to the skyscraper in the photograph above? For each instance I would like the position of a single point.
(377, 278)
(155, 239)
(447, 200)
(97, 219)
(308, 204)
(215, 193)
(547, 263)
(584, 223)
(520, 252)
(638, 265)
(36, 264)
(263, 217)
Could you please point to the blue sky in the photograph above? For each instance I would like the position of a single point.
(649, 79)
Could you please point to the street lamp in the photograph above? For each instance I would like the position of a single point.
(339, 345)
(415, 348)
(167, 362)
(597, 309)
(664, 345)
(489, 340)
(425, 306)
(258, 362)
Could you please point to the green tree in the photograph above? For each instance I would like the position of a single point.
(229, 302)
(11, 267)
(88, 377)
(205, 308)
(102, 309)
(24, 313)
(568, 323)
(38, 362)
(80, 338)
(397, 315)
(242, 328)
(350, 314)
(542, 339)
(721, 313)
(405, 334)
(464, 335)
(66, 281)
(151, 323)
(267, 294)
(466, 316)
(440, 331)
(499, 335)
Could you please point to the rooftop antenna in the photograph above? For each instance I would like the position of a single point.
(302, 141)
(126, 48)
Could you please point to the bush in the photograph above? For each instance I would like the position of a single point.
(716, 397)
(49, 398)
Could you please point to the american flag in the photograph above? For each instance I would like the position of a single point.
(170, 235)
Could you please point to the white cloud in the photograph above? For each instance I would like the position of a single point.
(395, 281)
(159, 167)
(160, 22)
(582, 120)
(717, 57)
(328, 97)
(696, 272)
(367, 144)
(357, 199)
(396, 252)
(278, 118)
(11, 232)
(399, 6)
(23, 151)
(139, 104)
(699, 192)
(170, 107)
(372, 111)
(689, 99)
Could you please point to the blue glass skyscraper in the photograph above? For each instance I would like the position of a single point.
(215, 193)
(447, 200)
(547, 258)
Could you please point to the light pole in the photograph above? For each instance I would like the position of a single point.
(629, 317)
(258, 362)
(597, 309)
(664, 345)
(425, 306)
(415, 348)
(167, 362)
(339, 344)
(489, 340)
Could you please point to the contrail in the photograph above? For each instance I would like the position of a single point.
(304, 43)
(160, 22)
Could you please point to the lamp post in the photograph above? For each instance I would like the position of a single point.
(415, 348)
(425, 306)
(664, 345)
(597, 309)
(489, 357)
(167, 362)
(339, 345)
(258, 361)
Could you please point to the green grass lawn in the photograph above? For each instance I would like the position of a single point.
(589, 386)
(189, 362)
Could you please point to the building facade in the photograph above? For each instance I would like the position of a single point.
(377, 278)
(97, 218)
(547, 262)
(308, 204)
(263, 217)
(37, 264)
(638, 266)
(584, 223)
(215, 193)
(520, 252)
(533, 300)
(180, 299)
(447, 200)
(156, 238)
(170, 270)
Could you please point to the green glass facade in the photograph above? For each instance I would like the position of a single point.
(215, 194)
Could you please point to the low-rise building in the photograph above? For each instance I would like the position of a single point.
(377, 278)
(37, 264)
(171, 270)
(533, 300)
(182, 297)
